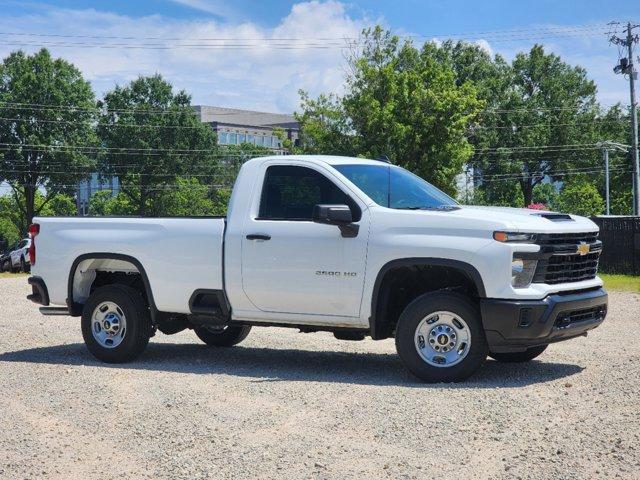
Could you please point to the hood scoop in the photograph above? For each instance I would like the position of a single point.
(555, 217)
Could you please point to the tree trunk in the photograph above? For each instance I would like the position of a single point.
(29, 204)
(142, 210)
(527, 191)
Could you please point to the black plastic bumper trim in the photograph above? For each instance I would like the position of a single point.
(39, 294)
(515, 325)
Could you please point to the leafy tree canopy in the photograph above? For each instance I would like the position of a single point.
(152, 137)
(400, 102)
(581, 198)
(13, 224)
(47, 112)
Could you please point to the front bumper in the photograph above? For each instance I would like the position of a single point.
(515, 325)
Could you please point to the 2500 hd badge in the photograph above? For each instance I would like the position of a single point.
(336, 274)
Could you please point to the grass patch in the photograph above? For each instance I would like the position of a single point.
(12, 275)
(621, 283)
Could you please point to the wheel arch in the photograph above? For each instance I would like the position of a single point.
(379, 324)
(75, 307)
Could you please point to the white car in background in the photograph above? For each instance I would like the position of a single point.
(20, 256)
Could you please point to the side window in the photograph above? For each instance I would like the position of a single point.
(290, 193)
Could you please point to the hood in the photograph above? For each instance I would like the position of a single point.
(529, 220)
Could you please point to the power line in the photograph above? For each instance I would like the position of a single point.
(142, 125)
(99, 149)
(175, 110)
(180, 109)
(539, 175)
(537, 147)
(289, 43)
(512, 31)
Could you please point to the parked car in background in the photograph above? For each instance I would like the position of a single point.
(5, 261)
(20, 256)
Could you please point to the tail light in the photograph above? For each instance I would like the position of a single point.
(34, 230)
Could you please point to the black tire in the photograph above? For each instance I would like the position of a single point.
(138, 323)
(410, 320)
(519, 357)
(225, 337)
(23, 265)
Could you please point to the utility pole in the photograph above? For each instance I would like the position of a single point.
(605, 152)
(606, 146)
(626, 67)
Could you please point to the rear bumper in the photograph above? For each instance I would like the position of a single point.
(39, 294)
(515, 325)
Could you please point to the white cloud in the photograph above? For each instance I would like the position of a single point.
(262, 77)
(484, 45)
(216, 7)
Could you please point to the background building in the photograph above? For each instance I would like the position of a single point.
(235, 127)
(232, 126)
(94, 184)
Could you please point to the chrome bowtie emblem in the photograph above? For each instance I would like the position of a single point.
(583, 248)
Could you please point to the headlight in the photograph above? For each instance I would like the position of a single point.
(514, 237)
(522, 272)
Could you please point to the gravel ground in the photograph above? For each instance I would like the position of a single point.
(290, 405)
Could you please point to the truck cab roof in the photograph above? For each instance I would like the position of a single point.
(324, 159)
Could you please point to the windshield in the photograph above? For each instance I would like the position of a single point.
(395, 187)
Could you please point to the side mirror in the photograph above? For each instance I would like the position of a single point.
(339, 215)
(332, 214)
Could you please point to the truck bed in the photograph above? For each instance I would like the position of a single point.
(178, 255)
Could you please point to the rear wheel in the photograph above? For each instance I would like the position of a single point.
(439, 338)
(23, 265)
(116, 324)
(223, 336)
(518, 357)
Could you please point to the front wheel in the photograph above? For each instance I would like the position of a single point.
(519, 357)
(223, 336)
(23, 265)
(116, 324)
(439, 338)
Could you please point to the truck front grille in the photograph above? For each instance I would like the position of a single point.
(562, 261)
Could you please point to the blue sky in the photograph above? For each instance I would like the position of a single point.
(268, 79)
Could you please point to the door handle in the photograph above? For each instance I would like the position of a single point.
(258, 236)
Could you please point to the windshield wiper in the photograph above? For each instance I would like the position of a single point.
(426, 207)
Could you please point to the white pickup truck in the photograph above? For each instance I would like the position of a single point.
(351, 246)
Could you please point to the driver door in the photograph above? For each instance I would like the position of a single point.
(291, 264)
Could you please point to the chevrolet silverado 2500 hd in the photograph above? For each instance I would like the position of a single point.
(351, 246)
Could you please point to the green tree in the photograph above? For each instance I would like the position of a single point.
(190, 197)
(536, 102)
(60, 206)
(400, 102)
(152, 137)
(325, 126)
(547, 194)
(46, 124)
(14, 224)
(613, 124)
(551, 103)
(103, 203)
(581, 198)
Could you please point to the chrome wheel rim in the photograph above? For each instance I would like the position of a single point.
(108, 325)
(443, 339)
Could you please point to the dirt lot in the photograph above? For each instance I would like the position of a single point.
(290, 405)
